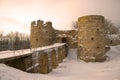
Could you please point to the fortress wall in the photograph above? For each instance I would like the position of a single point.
(69, 37)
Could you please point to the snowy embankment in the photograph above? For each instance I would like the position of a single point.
(71, 69)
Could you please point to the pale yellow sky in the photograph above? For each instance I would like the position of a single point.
(16, 15)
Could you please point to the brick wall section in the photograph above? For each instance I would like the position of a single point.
(54, 59)
(44, 61)
(60, 58)
(69, 37)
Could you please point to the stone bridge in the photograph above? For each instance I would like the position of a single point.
(35, 60)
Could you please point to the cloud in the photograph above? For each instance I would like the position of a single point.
(9, 24)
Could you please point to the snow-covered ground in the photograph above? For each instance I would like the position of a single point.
(71, 69)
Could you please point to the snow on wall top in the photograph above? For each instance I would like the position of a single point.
(9, 54)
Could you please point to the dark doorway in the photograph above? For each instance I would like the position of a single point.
(64, 40)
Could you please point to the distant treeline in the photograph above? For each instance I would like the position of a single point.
(14, 41)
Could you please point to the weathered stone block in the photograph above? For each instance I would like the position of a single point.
(54, 59)
(59, 55)
(43, 63)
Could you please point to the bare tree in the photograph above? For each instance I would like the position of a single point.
(74, 25)
(110, 28)
(1, 34)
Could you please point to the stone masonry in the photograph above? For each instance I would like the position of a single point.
(91, 38)
(69, 37)
(41, 34)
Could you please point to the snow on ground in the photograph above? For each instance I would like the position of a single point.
(71, 69)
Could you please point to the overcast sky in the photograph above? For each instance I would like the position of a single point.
(16, 15)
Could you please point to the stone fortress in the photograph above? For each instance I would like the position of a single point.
(49, 47)
(89, 39)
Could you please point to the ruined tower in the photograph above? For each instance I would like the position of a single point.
(41, 34)
(91, 38)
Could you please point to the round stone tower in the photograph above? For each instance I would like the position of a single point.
(91, 38)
